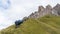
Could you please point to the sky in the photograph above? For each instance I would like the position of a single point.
(12, 10)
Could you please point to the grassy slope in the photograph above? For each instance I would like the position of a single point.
(0, 32)
(44, 25)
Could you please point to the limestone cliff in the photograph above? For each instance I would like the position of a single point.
(45, 11)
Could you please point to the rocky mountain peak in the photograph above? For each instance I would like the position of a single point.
(58, 5)
(57, 8)
(40, 8)
(48, 7)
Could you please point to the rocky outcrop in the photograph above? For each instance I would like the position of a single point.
(57, 8)
(45, 11)
(40, 8)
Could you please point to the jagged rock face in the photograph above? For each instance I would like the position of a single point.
(31, 16)
(45, 11)
(40, 8)
(34, 15)
(48, 7)
(54, 12)
(57, 8)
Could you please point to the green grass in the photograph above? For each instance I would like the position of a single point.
(43, 25)
(0, 32)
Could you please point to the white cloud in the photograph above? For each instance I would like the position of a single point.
(4, 22)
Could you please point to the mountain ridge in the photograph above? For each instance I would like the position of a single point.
(44, 11)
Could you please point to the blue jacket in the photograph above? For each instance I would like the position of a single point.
(18, 22)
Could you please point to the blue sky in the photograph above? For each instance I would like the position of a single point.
(11, 10)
